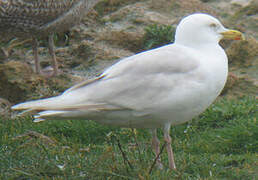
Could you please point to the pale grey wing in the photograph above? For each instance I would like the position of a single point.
(84, 83)
(169, 59)
(66, 101)
(136, 82)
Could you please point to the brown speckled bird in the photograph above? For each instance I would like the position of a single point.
(41, 18)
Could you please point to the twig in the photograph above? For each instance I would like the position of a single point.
(157, 157)
(34, 134)
(123, 154)
(22, 172)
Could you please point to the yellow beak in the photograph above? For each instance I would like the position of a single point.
(233, 35)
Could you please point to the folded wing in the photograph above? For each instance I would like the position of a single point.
(134, 83)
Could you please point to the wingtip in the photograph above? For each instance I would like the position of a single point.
(23, 106)
(15, 107)
(18, 107)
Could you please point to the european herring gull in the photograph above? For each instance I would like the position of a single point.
(153, 89)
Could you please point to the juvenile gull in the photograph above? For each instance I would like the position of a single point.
(34, 18)
(153, 89)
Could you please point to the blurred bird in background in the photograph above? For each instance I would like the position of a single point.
(41, 18)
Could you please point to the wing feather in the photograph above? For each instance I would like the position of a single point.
(84, 83)
(133, 84)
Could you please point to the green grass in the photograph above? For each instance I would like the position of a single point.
(158, 35)
(221, 143)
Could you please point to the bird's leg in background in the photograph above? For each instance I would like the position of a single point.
(35, 53)
(167, 139)
(155, 146)
(51, 48)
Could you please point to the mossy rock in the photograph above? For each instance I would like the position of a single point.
(82, 50)
(108, 6)
(14, 80)
(124, 39)
(251, 9)
(18, 83)
(239, 86)
(243, 53)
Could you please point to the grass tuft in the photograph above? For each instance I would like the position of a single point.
(158, 35)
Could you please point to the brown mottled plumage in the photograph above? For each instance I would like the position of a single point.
(33, 18)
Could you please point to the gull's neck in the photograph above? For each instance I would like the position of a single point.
(196, 43)
(201, 39)
(210, 49)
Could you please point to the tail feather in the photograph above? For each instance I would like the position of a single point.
(59, 115)
(44, 114)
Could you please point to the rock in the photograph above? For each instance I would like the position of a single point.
(18, 83)
(124, 39)
(231, 82)
(239, 86)
(243, 53)
(14, 80)
(245, 19)
(108, 6)
(240, 2)
(184, 7)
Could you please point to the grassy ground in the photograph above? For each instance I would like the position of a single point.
(222, 143)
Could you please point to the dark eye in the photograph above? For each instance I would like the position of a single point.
(213, 25)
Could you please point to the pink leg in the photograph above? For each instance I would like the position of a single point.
(167, 139)
(35, 52)
(51, 48)
(156, 148)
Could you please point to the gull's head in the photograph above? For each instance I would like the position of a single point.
(200, 29)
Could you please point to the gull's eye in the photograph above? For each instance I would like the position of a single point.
(213, 25)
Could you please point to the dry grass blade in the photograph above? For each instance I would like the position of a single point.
(123, 154)
(22, 172)
(34, 134)
(157, 157)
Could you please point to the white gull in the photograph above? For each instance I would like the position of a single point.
(153, 89)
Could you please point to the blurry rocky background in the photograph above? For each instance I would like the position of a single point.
(121, 28)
